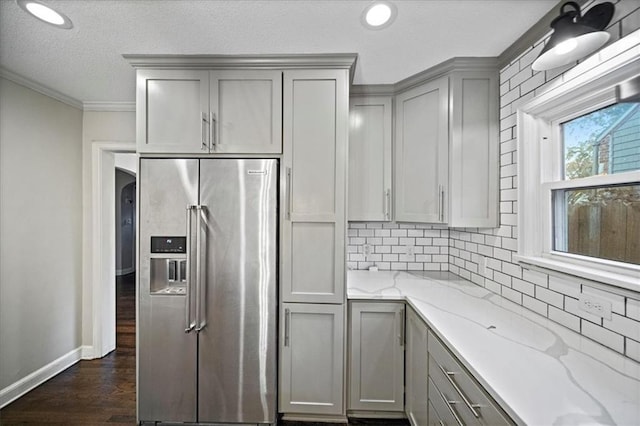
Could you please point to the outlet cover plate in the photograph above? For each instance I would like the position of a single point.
(595, 306)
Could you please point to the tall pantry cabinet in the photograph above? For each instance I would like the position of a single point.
(313, 174)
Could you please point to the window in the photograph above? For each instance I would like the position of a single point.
(601, 221)
(579, 172)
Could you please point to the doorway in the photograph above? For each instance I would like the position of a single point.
(125, 253)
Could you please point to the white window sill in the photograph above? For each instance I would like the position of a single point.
(627, 279)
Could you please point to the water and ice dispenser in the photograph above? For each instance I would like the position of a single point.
(168, 265)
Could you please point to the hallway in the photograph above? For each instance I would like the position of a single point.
(100, 391)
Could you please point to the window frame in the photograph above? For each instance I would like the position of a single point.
(587, 87)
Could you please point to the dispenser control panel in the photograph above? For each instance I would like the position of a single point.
(168, 244)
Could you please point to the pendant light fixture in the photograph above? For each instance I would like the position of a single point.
(575, 36)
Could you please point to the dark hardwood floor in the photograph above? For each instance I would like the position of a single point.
(95, 392)
(103, 391)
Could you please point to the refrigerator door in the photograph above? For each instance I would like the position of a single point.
(166, 354)
(237, 342)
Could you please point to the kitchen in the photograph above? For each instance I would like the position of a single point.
(483, 254)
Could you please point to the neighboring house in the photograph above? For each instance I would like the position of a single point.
(618, 147)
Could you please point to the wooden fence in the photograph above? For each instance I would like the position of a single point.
(610, 230)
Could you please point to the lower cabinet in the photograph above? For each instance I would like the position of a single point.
(376, 356)
(311, 359)
(455, 395)
(417, 364)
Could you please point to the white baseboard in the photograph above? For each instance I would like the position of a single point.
(35, 379)
(87, 352)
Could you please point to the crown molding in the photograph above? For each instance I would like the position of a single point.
(40, 88)
(109, 106)
(458, 64)
(292, 61)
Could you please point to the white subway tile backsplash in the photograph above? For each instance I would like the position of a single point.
(535, 305)
(512, 295)
(632, 349)
(566, 287)
(564, 318)
(572, 306)
(603, 336)
(622, 325)
(550, 297)
(523, 286)
(535, 277)
(633, 308)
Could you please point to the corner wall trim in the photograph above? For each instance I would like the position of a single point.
(35, 379)
(40, 88)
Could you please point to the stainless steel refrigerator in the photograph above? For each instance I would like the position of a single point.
(207, 290)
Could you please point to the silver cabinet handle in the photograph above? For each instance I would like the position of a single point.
(449, 375)
(288, 192)
(440, 204)
(450, 405)
(200, 323)
(189, 325)
(204, 132)
(287, 319)
(214, 131)
(387, 204)
(402, 331)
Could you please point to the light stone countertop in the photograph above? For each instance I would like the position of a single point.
(540, 372)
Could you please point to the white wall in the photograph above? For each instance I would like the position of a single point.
(100, 129)
(41, 232)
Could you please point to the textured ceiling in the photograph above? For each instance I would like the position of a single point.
(85, 62)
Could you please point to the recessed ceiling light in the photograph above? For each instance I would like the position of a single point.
(378, 15)
(45, 13)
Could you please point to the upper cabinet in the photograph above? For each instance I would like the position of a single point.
(370, 137)
(172, 111)
(202, 112)
(473, 150)
(421, 152)
(445, 148)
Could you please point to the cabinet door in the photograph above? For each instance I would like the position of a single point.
(314, 185)
(172, 111)
(417, 369)
(474, 149)
(246, 108)
(377, 356)
(421, 153)
(370, 158)
(311, 359)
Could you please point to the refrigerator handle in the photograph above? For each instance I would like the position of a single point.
(189, 325)
(200, 323)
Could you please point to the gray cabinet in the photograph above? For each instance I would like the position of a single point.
(473, 150)
(313, 174)
(457, 393)
(447, 149)
(201, 111)
(417, 368)
(313, 228)
(370, 142)
(376, 353)
(172, 111)
(311, 359)
(421, 152)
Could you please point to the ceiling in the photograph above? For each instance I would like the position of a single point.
(86, 64)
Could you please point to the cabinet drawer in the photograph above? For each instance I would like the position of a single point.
(441, 408)
(472, 403)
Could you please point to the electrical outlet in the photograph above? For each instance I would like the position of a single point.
(366, 249)
(483, 266)
(595, 306)
(410, 250)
